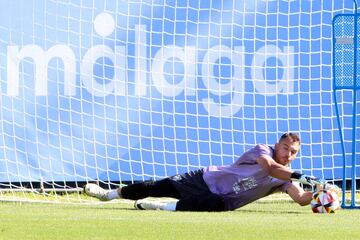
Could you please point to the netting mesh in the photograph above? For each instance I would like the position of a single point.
(123, 91)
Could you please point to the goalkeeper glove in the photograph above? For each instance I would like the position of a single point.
(305, 179)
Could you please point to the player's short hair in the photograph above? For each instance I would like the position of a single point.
(293, 136)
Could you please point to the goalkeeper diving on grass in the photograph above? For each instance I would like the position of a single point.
(257, 173)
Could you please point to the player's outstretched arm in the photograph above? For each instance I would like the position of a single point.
(283, 172)
(299, 195)
(273, 168)
(305, 179)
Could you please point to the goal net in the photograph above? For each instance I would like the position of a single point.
(116, 92)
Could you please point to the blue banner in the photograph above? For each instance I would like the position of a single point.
(132, 90)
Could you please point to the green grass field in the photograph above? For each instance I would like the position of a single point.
(260, 220)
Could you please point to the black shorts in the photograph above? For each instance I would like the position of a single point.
(190, 188)
(190, 184)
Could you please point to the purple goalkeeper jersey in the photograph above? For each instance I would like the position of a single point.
(244, 181)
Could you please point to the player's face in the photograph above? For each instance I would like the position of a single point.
(285, 151)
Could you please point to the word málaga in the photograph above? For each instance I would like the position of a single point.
(151, 71)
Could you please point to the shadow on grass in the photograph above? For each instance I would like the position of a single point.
(270, 211)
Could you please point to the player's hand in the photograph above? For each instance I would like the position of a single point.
(305, 179)
(310, 180)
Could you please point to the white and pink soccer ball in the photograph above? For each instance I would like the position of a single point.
(325, 201)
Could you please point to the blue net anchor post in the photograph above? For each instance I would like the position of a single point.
(345, 47)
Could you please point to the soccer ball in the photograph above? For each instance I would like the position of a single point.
(325, 201)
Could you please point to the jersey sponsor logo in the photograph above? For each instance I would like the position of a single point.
(244, 184)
